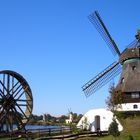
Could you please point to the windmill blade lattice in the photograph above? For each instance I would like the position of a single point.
(134, 44)
(99, 25)
(16, 102)
(101, 79)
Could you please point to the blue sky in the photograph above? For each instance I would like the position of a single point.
(57, 50)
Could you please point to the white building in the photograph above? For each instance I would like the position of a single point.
(70, 119)
(97, 119)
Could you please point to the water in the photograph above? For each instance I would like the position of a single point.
(40, 126)
(35, 127)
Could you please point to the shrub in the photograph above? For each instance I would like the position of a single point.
(130, 137)
(113, 129)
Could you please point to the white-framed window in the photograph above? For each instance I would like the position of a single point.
(135, 95)
(133, 67)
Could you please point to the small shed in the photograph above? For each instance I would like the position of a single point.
(97, 119)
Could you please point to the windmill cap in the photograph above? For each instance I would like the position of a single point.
(129, 53)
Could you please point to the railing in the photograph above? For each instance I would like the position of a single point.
(51, 133)
(73, 136)
(36, 133)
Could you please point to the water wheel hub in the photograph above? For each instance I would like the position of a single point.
(8, 102)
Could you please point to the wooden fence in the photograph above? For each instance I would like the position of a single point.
(49, 131)
(62, 133)
(37, 133)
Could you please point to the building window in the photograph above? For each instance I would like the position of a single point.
(122, 80)
(135, 95)
(135, 106)
(133, 67)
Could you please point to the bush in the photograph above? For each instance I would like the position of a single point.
(113, 129)
(120, 115)
(130, 137)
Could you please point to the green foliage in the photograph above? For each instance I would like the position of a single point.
(85, 123)
(130, 137)
(76, 117)
(62, 119)
(113, 129)
(126, 114)
(74, 129)
(120, 115)
(114, 99)
(131, 128)
(48, 119)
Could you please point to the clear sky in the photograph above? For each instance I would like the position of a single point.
(52, 44)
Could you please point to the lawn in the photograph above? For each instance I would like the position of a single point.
(121, 137)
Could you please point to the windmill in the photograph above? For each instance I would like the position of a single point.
(128, 65)
(70, 115)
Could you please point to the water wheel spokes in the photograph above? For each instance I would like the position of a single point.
(16, 102)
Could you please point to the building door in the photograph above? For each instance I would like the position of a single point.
(97, 123)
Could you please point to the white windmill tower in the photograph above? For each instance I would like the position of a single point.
(70, 115)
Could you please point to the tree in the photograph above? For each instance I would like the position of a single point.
(85, 123)
(79, 117)
(62, 119)
(113, 129)
(47, 117)
(114, 99)
(76, 117)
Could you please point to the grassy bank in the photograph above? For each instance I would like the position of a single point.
(131, 129)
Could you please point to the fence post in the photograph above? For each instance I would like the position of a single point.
(70, 127)
(61, 130)
(49, 131)
(39, 133)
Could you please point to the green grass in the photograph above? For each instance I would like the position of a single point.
(131, 127)
(121, 137)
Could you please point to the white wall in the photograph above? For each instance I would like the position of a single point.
(106, 117)
(128, 107)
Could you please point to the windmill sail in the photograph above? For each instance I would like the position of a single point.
(102, 78)
(99, 25)
(134, 44)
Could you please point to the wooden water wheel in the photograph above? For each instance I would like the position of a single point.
(16, 101)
